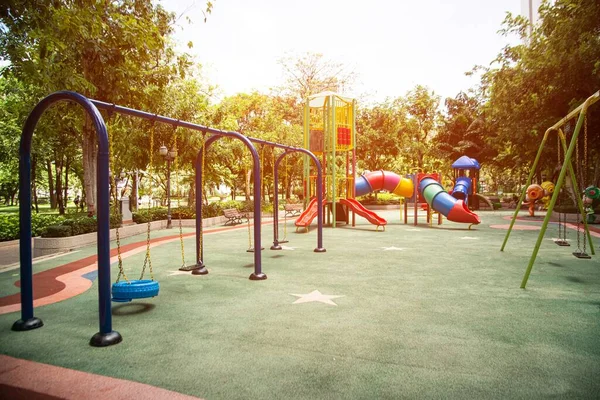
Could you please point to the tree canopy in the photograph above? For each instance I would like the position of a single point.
(124, 52)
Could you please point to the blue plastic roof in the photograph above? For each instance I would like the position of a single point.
(466, 162)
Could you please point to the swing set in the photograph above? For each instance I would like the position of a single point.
(134, 288)
(581, 113)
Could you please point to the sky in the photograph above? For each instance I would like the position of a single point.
(392, 45)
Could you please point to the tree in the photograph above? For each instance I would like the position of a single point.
(263, 117)
(463, 131)
(380, 135)
(532, 85)
(92, 49)
(423, 116)
(312, 73)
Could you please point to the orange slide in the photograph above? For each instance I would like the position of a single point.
(359, 209)
(307, 216)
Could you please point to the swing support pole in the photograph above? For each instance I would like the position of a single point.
(106, 336)
(276, 245)
(581, 110)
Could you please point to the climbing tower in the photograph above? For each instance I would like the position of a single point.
(329, 132)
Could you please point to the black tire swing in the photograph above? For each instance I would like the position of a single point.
(128, 290)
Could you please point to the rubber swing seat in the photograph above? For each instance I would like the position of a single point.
(123, 292)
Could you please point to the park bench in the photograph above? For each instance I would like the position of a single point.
(233, 216)
(293, 209)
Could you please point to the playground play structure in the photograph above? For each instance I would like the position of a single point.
(579, 174)
(133, 288)
(330, 133)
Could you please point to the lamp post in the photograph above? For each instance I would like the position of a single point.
(169, 157)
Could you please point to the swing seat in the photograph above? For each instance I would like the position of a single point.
(123, 292)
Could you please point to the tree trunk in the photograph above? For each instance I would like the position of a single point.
(82, 201)
(133, 198)
(66, 188)
(51, 185)
(34, 182)
(204, 196)
(13, 196)
(90, 157)
(58, 165)
(192, 194)
(247, 189)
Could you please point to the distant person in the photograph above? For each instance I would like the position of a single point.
(77, 201)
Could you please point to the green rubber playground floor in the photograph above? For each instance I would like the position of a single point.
(422, 312)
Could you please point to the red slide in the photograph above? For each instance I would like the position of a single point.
(358, 208)
(307, 216)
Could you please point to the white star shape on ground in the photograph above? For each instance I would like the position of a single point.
(392, 248)
(555, 239)
(469, 238)
(288, 248)
(413, 230)
(172, 273)
(315, 295)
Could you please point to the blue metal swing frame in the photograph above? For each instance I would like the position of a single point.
(106, 335)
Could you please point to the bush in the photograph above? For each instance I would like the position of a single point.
(39, 222)
(9, 225)
(115, 221)
(248, 206)
(142, 217)
(183, 213)
(79, 226)
(58, 231)
(214, 209)
(382, 199)
(155, 214)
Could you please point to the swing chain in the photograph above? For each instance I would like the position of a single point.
(585, 146)
(201, 227)
(285, 186)
(148, 259)
(578, 239)
(121, 270)
(179, 203)
(562, 236)
(111, 167)
(261, 170)
(250, 247)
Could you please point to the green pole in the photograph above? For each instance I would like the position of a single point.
(559, 183)
(305, 161)
(332, 132)
(531, 172)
